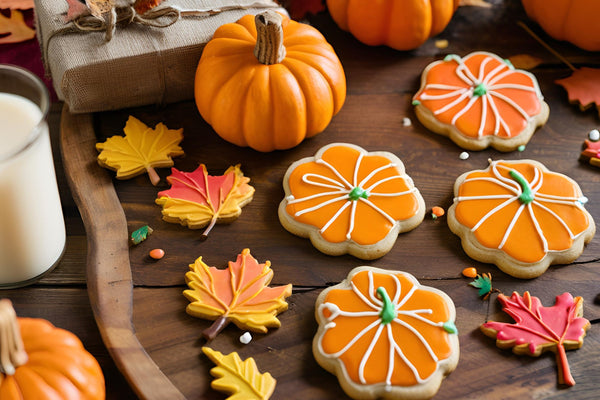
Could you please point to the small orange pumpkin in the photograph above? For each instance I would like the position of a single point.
(399, 24)
(268, 82)
(573, 21)
(39, 361)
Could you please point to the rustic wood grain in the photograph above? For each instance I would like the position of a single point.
(108, 275)
(381, 82)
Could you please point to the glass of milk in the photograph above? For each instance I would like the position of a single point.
(32, 228)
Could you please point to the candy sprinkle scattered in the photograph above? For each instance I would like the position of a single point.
(594, 135)
(441, 44)
(437, 212)
(470, 272)
(464, 155)
(157, 254)
(521, 148)
(246, 338)
(139, 235)
(406, 121)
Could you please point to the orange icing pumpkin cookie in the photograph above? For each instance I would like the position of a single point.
(520, 216)
(348, 200)
(479, 101)
(386, 336)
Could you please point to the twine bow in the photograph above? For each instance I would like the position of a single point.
(159, 17)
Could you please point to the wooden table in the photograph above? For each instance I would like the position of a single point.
(381, 82)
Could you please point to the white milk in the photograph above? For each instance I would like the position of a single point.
(32, 230)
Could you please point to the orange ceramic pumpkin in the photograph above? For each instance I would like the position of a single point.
(268, 82)
(574, 21)
(41, 361)
(399, 24)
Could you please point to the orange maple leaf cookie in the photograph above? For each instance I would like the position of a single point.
(479, 101)
(520, 216)
(386, 336)
(348, 200)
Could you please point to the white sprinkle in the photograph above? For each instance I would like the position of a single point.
(582, 200)
(464, 155)
(406, 121)
(594, 135)
(246, 338)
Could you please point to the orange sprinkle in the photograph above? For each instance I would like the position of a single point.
(157, 254)
(470, 272)
(437, 211)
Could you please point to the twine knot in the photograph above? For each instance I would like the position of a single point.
(158, 17)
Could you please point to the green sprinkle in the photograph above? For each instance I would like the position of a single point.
(483, 283)
(527, 195)
(521, 148)
(480, 90)
(139, 235)
(357, 193)
(451, 57)
(416, 102)
(388, 311)
(450, 327)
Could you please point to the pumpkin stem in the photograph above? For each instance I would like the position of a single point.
(12, 350)
(269, 47)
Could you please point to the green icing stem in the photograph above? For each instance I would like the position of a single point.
(527, 196)
(479, 90)
(357, 193)
(388, 311)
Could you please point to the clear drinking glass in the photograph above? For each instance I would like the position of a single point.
(32, 228)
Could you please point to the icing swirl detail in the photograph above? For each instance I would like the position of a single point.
(362, 186)
(390, 315)
(528, 201)
(490, 81)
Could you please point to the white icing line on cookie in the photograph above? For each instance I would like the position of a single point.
(335, 311)
(511, 225)
(538, 200)
(344, 188)
(491, 89)
(365, 357)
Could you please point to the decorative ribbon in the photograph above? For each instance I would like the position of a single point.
(158, 17)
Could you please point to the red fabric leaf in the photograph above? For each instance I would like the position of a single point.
(583, 87)
(537, 328)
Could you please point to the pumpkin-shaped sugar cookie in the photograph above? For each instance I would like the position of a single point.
(479, 101)
(386, 336)
(520, 216)
(348, 200)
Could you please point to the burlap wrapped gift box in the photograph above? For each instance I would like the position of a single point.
(140, 65)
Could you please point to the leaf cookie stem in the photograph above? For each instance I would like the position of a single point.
(564, 376)
(212, 331)
(153, 175)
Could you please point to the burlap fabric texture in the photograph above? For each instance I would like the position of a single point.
(140, 65)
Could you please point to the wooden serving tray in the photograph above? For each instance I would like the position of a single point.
(138, 302)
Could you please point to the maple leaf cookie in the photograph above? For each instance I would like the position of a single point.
(386, 336)
(520, 216)
(479, 101)
(348, 200)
